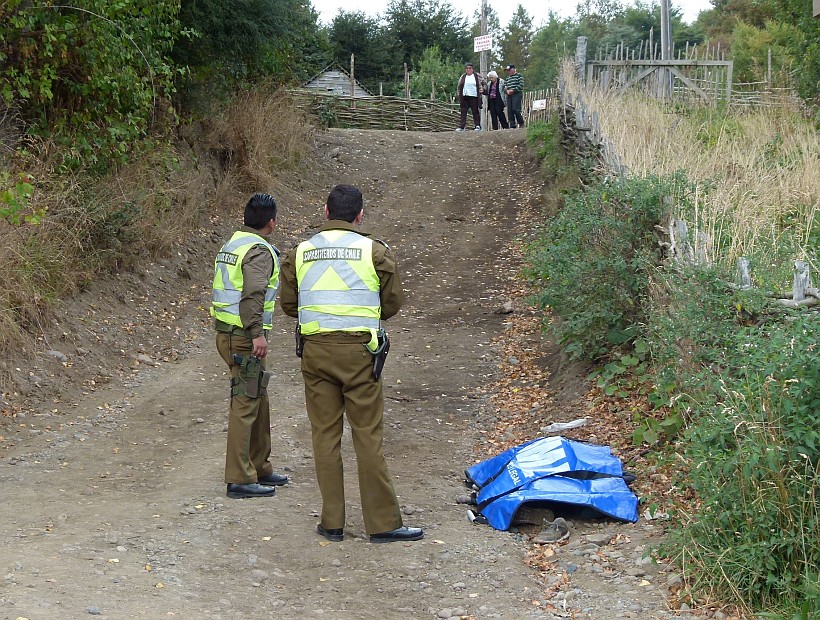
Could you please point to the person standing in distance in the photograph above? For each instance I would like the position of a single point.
(469, 97)
(496, 96)
(341, 284)
(515, 92)
(246, 279)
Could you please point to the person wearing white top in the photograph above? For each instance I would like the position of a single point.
(470, 90)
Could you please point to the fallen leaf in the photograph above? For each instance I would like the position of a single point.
(159, 585)
(266, 538)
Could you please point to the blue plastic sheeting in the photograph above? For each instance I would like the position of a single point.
(552, 469)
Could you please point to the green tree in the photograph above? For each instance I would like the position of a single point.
(435, 72)
(418, 24)
(517, 39)
(91, 75)
(376, 55)
(750, 50)
(803, 45)
(549, 45)
(245, 41)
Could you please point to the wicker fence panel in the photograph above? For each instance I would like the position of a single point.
(404, 114)
(379, 112)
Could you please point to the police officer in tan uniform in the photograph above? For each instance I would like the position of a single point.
(246, 279)
(341, 284)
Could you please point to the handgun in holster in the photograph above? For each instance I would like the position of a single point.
(252, 380)
(300, 341)
(380, 354)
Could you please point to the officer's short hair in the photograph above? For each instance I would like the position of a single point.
(344, 202)
(261, 209)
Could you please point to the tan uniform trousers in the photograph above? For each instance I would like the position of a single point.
(248, 453)
(339, 378)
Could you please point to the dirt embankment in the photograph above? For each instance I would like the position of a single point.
(112, 449)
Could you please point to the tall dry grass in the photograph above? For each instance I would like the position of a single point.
(757, 172)
(96, 226)
(264, 140)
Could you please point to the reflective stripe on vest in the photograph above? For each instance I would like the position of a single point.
(338, 284)
(228, 280)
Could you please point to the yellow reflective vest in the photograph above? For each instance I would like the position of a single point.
(228, 280)
(338, 284)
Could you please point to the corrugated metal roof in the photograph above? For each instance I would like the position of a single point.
(336, 81)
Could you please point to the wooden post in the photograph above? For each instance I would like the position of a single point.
(801, 280)
(406, 83)
(581, 55)
(352, 82)
(432, 88)
(743, 273)
(482, 64)
(769, 72)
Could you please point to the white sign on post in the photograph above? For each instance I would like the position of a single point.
(483, 42)
(539, 104)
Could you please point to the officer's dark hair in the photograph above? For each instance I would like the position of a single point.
(344, 202)
(261, 209)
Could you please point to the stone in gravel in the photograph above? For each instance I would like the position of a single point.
(94, 611)
(60, 357)
(444, 613)
(599, 540)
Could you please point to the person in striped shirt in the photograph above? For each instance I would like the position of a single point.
(515, 92)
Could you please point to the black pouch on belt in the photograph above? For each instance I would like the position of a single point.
(380, 354)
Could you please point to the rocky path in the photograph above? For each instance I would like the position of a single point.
(113, 501)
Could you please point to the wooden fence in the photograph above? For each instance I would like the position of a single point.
(405, 114)
(692, 75)
(581, 134)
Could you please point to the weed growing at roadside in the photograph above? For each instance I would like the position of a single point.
(593, 262)
(755, 452)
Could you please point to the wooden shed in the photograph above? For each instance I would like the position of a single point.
(334, 80)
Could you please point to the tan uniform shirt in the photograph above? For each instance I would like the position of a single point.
(391, 293)
(257, 266)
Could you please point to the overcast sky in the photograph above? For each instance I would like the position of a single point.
(537, 9)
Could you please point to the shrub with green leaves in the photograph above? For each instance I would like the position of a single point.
(592, 262)
(755, 455)
(89, 74)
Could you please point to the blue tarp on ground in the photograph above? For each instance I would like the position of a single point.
(552, 469)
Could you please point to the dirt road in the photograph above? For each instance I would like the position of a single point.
(113, 500)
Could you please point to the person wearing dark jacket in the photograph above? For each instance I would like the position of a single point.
(515, 93)
(470, 91)
(496, 97)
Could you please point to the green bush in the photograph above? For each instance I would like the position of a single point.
(592, 262)
(89, 76)
(545, 138)
(755, 455)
